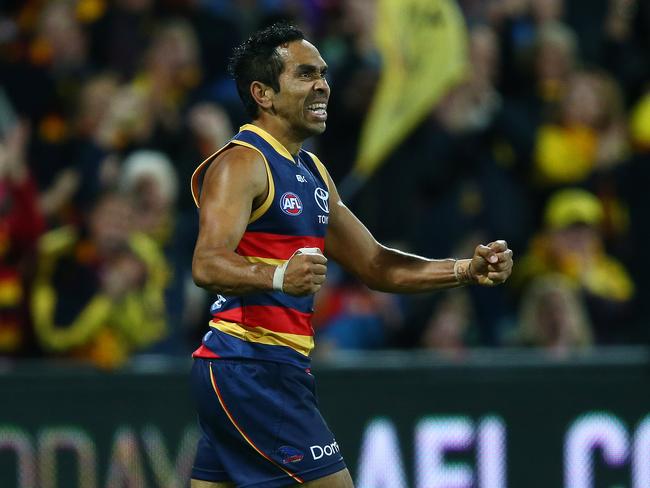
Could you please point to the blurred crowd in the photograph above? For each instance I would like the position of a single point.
(107, 106)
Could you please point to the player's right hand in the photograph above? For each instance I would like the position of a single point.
(305, 274)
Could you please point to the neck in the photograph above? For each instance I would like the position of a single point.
(282, 132)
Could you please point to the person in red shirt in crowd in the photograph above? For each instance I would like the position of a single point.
(20, 225)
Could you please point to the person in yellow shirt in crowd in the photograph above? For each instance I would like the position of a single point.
(99, 297)
(589, 135)
(571, 245)
(640, 124)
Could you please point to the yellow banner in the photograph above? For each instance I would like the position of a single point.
(423, 44)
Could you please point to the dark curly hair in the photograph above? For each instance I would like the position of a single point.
(257, 59)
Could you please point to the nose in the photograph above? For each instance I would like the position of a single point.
(321, 86)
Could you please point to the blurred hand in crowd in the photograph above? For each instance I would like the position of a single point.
(123, 274)
(210, 126)
(13, 145)
(127, 120)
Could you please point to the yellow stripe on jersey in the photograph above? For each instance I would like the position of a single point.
(277, 145)
(259, 211)
(194, 180)
(321, 169)
(255, 259)
(300, 343)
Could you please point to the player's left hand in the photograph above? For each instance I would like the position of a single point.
(492, 264)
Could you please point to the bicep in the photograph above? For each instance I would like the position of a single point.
(231, 185)
(348, 241)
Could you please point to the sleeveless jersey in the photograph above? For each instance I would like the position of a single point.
(271, 325)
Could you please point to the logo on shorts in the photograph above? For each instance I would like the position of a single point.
(318, 452)
(217, 304)
(290, 454)
(290, 204)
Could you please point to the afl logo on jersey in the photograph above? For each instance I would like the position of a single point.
(322, 199)
(290, 204)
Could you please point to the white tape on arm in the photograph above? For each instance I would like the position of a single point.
(278, 275)
(308, 250)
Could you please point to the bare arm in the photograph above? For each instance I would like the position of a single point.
(351, 244)
(234, 184)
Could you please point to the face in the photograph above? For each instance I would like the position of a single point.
(581, 103)
(304, 92)
(110, 223)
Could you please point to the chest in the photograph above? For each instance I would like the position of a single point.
(300, 204)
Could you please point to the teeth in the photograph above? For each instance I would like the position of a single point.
(317, 106)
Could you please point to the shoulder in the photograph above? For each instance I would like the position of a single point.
(238, 169)
(241, 159)
(237, 156)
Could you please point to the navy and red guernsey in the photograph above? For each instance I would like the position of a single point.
(271, 325)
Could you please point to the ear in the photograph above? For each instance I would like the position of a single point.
(262, 94)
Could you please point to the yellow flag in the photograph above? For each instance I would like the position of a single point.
(423, 44)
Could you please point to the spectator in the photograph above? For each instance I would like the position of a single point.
(530, 118)
(589, 136)
(60, 64)
(449, 327)
(571, 244)
(98, 295)
(20, 225)
(170, 71)
(95, 127)
(149, 180)
(553, 316)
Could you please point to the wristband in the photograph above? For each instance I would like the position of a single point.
(462, 271)
(278, 274)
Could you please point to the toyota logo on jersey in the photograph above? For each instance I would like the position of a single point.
(291, 204)
(322, 199)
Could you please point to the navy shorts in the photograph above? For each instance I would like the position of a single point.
(260, 425)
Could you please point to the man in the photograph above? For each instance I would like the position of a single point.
(268, 213)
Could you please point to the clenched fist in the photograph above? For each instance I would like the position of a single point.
(491, 264)
(305, 273)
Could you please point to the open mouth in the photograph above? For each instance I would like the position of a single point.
(318, 110)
